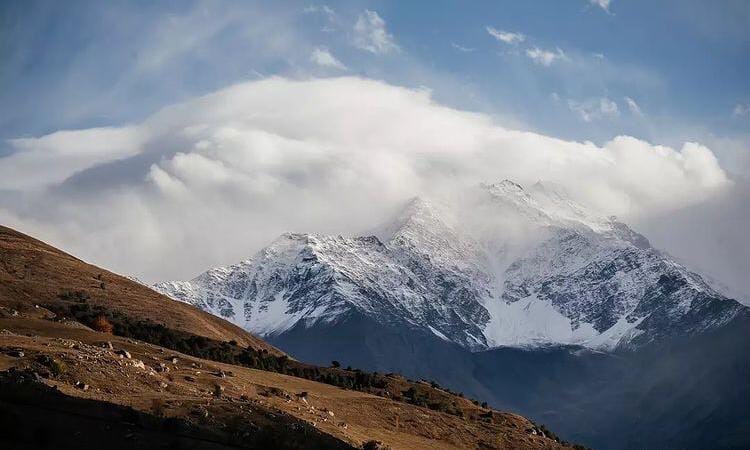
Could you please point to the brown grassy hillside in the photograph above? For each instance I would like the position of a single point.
(35, 273)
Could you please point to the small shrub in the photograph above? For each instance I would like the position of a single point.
(102, 325)
(57, 367)
(74, 296)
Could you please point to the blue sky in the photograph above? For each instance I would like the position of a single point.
(685, 64)
(163, 116)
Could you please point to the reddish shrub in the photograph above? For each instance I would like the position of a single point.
(102, 324)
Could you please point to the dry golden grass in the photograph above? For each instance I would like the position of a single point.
(33, 272)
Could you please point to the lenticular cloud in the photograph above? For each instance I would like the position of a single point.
(209, 181)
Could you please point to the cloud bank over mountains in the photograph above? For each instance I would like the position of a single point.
(211, 180)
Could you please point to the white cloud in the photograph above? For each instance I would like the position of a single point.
(505, 36)
(322, 9)
(36, 162)
(211, 180)
(603, 4)
(324, 58)
(740, 110)
(371, 35)
(633, 107)
(545, 57)
(330, 15)
(461, 48)
(594, 108)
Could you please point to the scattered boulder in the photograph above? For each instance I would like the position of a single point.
(82, 386)
(16, 353)
(107, 345)
(189, 378)
(123, 354)
(138, 364)
(20, 376)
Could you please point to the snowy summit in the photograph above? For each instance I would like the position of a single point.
(508, 267)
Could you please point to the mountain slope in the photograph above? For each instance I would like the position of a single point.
(35, 273)
(521, 268)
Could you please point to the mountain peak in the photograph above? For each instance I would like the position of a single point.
(417, 209)
(521, 267)
(417, 216)
(503, 187)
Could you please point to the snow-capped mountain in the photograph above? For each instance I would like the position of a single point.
(505, 266)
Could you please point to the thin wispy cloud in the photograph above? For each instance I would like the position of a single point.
(603, 4)
(461, 48)
(321, 9)
(740, 110)
(507, 37)
(370, 34)
(593, 109)
(322, 57)
(545, 57)
(633, 106)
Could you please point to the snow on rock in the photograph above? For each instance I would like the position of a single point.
(519, 268)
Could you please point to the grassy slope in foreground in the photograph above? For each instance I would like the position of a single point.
(34, 272)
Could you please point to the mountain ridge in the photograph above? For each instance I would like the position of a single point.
(525, 268)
